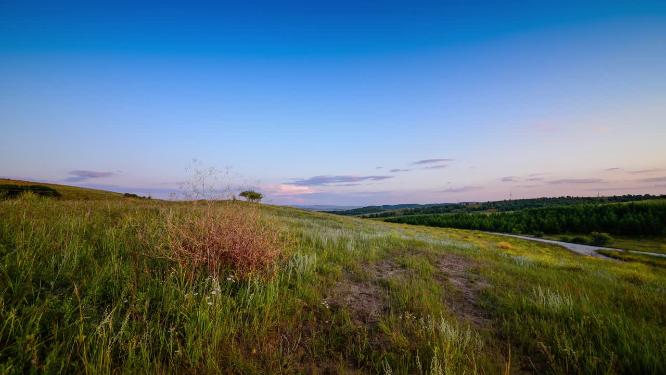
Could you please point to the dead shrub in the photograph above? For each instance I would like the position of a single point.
(225, 236)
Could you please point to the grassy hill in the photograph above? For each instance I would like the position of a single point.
(68, 192)
(131, 286)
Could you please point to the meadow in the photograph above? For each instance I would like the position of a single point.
(120, 285)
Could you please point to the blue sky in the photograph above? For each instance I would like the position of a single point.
(346, 103)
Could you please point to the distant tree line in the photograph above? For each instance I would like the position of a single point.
(498, 206)
(645, 218)
(374, 209)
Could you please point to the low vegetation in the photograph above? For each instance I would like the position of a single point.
(635, 257)
(9, 191)
(229, 287)
(594, 239)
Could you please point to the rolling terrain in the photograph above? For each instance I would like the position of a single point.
(105, 286)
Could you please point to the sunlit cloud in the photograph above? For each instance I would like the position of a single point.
(287, 189)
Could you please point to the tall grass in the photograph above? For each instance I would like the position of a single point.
(101, 287)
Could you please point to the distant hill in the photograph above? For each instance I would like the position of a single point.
(323, 207)
(491, 206)
(67, 192)
(375, 209)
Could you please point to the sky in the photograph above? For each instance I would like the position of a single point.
(337, 103)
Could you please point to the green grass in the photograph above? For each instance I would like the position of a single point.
(633, 257)
(85, 288)
(648, 244)
(652, 244)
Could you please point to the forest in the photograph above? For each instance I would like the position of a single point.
(634, 218)
(491, 206)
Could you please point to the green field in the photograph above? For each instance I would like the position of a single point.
(651, 244)
(648, 244)
(94, 286)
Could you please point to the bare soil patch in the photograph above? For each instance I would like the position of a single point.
(366, 300)
(385, 269)
(457, 271)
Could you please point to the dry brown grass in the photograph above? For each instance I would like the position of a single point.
(504, 245)
(222, 237)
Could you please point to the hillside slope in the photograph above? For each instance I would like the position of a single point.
(69, 192)
(95, 287)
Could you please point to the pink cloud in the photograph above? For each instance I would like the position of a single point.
(287, 189)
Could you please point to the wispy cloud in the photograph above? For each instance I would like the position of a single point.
(534, 179)
(431, 161)
(613, 169)
(577, 181)
(332, 180)
(643, 171)
(463, 189)
(654, 179)
(83, 175)
(399, 170)
(436, 167)
(509, 179)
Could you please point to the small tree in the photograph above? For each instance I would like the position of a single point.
(251, 195)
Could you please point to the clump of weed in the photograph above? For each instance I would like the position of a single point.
(504, 245)
(455, 348)
(228, 236)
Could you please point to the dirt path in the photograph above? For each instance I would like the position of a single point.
(578, 248)
(457, 270)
